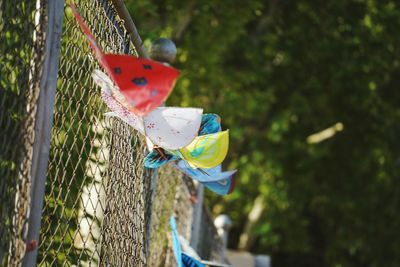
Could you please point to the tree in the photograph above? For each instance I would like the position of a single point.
(278, 72)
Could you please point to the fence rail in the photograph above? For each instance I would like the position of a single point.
(58, 150)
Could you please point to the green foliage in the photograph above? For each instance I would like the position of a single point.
(16, 94)
(277, 72)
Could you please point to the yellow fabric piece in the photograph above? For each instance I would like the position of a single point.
(206, 151)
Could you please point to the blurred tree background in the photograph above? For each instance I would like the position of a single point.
(278, 72)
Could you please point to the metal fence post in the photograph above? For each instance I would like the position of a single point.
(44, 122)
(196, 220)
(223, 223)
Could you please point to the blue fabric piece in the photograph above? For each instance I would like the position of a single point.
(210, 123)
(214, 179)
(204, 175)
(175, 242)
(222, 187)
(182, 259)
(190, 262)
(155, 160)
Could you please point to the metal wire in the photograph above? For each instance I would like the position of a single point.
(21, 60)
(162, 207)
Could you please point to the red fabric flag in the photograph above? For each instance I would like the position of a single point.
(144, 84)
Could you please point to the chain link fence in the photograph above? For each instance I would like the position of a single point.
(94, 202)
(101, 207)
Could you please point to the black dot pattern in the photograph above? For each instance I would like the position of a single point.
(117, 70)
(146, 67)
(139, 81)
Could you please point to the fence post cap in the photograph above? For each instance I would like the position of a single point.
(223, 221)
(163, 50)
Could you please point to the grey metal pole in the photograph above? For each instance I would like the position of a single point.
(197, 217)
(223, 223)
(44, 123)
(123, 13)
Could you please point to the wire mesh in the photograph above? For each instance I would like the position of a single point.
(162, 207)
(21, 60)
(183, 207)
(175, 195)
(94, 203)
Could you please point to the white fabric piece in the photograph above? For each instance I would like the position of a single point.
(171, 128)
